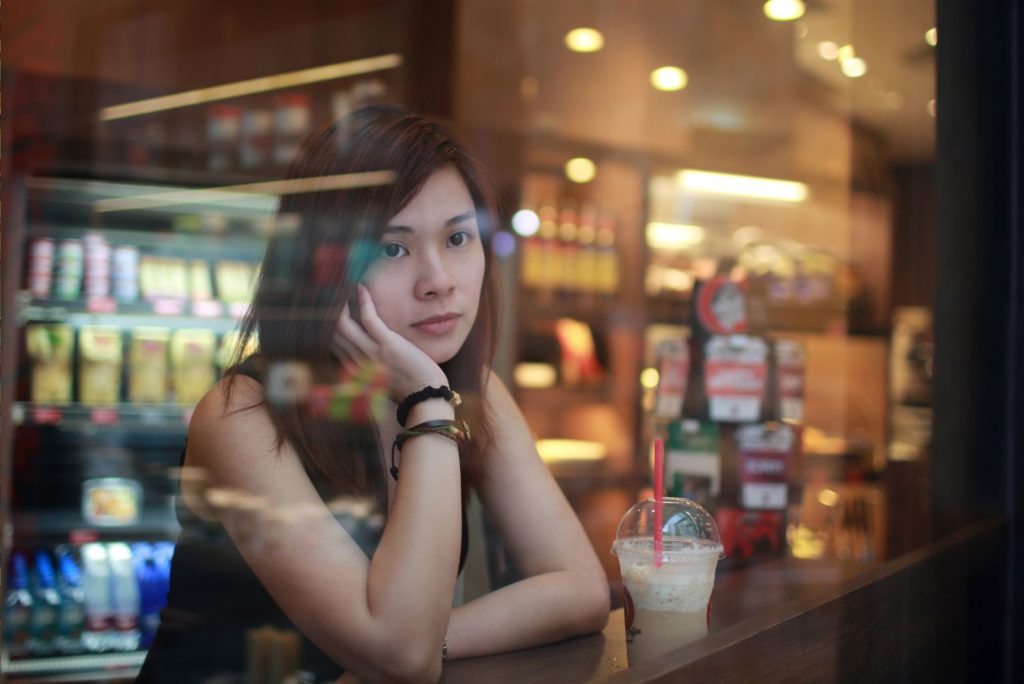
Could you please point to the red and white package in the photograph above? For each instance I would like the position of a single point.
(790, 364)
(673, 369)
(765, 451)
(735, 377)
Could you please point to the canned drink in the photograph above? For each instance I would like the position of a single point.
(126, 273)
(40, 267)
(97, 265)
(70, 262)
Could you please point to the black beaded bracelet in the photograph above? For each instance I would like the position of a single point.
(442, 392)
(457, 431)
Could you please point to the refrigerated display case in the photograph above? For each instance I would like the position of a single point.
(129, 294)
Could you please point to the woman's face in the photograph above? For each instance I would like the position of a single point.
(426, 280)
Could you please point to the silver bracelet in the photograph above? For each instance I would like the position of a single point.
(444, 650)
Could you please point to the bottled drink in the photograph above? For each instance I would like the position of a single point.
(46, 606)
(151, 594)
(124, 591)
(71, 619)
(18, 609)
(99, 612)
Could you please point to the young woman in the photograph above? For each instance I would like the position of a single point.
(395, 271)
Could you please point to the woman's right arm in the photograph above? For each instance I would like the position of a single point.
(383, 620)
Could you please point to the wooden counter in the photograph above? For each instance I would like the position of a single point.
(737, 596)
(791, 620)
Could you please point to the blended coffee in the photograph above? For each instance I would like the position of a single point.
(666, 606)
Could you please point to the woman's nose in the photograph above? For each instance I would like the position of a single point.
(435, 278)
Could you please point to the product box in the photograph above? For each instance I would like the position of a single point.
(49, 350)
(693, 466)
(226, 351)
(99, 365)
(735, 377)
(200, 283)
(790, 364)
(147, 361)
(765, 453)
(192, 355)
(673, 370)
(234, 280)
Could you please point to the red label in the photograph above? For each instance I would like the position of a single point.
(103, 416)
(82, 536)
(722, 307)
(208, 308)
(735, 378)
(791, 381)
(103, 305)
(46, 416)
(168, 307)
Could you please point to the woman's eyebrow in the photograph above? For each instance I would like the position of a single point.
(458, 218)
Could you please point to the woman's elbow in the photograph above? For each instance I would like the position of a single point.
(398, 660)
(596, 603)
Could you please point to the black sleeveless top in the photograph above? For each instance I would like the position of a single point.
(215, 599)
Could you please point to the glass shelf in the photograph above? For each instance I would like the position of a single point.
(220, 317)
(163, 417)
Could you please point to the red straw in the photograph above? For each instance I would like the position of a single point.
(659, 487)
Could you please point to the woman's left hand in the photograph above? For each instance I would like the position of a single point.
(409, 367)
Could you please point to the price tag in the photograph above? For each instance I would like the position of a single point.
(238, 309)
(207, 308)
(101, 305)
(83, 536)
(46, 415)
(104, 416)
(168, 307)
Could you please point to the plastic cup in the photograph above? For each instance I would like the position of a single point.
(667, 605)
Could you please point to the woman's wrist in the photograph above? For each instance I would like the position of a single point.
(430, 409)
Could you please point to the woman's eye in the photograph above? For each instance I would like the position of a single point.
(392, 250)
(460, 238)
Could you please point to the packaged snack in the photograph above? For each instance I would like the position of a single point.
(234, 281)
(111, 501)
(99, 365)
(147, 372)
(200, 285)
(49, 350)
(192, 353)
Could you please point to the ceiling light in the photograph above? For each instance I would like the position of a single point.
(580, 170)
(525, 222)
(673, 236)
(931, 36)
(226, 91)
(784, 10)
(584, 40)
(854, 67)
(931, 108)
(669, 78)
(845, 52)
(827, 49)
(709, 182)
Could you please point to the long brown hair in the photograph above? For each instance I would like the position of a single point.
(321, 248)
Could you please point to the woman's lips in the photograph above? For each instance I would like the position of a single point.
(438, 325)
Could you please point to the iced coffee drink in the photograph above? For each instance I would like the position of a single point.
(666, 594)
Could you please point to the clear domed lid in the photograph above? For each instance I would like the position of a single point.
(683, 522)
